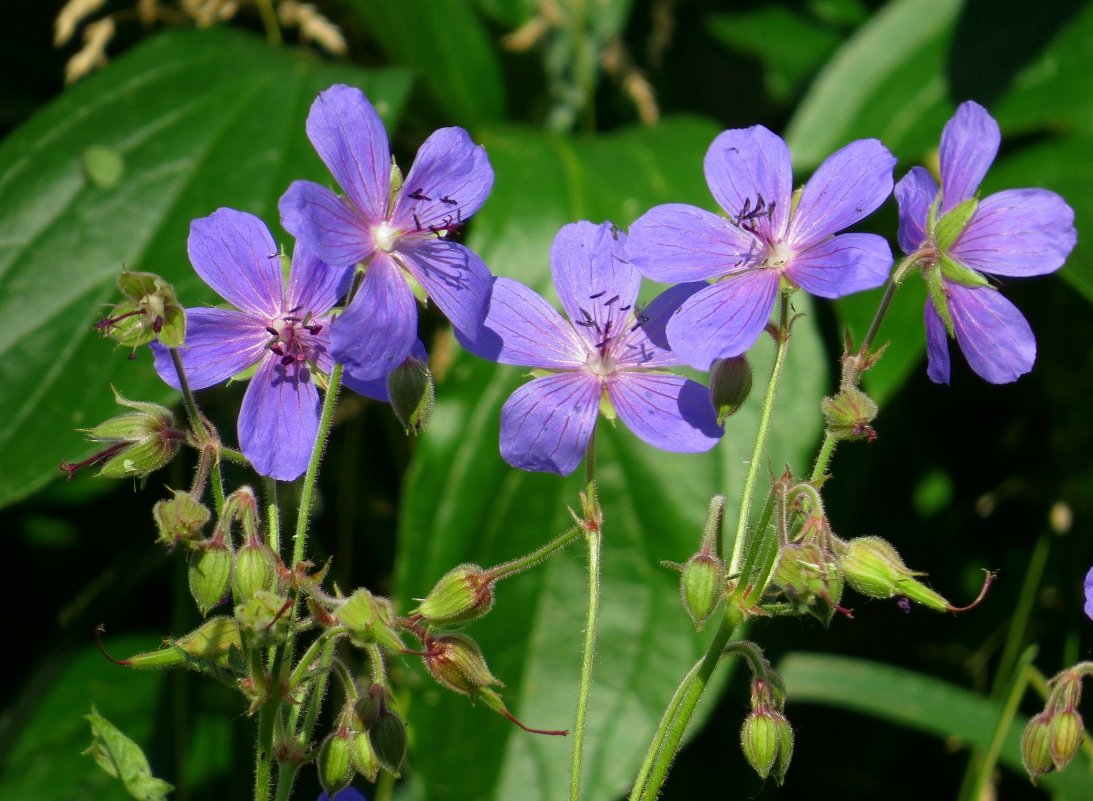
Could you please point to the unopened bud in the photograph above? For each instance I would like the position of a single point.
(849, 414)
(456, 662)
(362, 756)
(371, 705)
(759, 738)
(255, 569)
(266, 618)
(335, 768)
(369, 619)
(1035, 747)
(700, 583)
(180, 519)
(388, 738)
(150, 311)
(410, 388)
(209, 573)
(462, 595)
(785, 748)
(874, 568)
(1066, 732)
(730, 385)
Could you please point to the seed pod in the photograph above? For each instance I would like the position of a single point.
(388, 739)
(730, 385)
(462, 595)
(209, 572)
(874, 568)
(1035, 747)
(759, 739)
(1066, 732)
(362, 757)
(255, 569)
(410, 388)
(456, 662)
(700, 583)
(335, 769)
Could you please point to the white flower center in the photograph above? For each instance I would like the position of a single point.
(602, 365)
(778, 253)
(385, 235)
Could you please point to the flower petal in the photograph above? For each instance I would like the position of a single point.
(546, 423)
(324, 223)
(1019, 232)
(350, 139)
(937, 346)
(667, 411)
(522, 328)
(969, 144)
(723, 320)
(450, 180)
(675, 242)
(646, 344)
(234, 253)
(377, 330)
(376, 388)
(219, 344)
(842, 265)
(914, 194)
(455, 279)
(313, 285)
(851, 184)
(995, 337)
(1089, 593)
(746, 164)
(593, 278)
(279, 420)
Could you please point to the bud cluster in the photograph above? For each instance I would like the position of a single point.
(1054, 736)
(766, 736)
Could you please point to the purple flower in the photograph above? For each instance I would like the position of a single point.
(394, 230)
(285, 331)
(345, 794)
(959, 239)
(610, 351)
(1089, 594)
(766, 240)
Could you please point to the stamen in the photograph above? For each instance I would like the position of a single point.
(449, 201)
(599, 294)
(273, 331)
(417, 195)
(612, 300)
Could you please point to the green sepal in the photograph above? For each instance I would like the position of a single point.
(607, 408)
(959, 274)
(948, 229)
(935, 288)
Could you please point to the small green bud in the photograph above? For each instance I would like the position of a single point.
(369, 619)
(1035, 747)
(1065, 739)
(759, 738)
(700, 583)
(874, 568)
(371, 705)
(785, 748)
(209, 573)
(462, 595)
(949, 228)
(255, 569)
(456, 662)
(849, 414)
(139, 442)
(410, 387)
(362, 757)
(334, 765)
(180, 519)
(388, 738)
(730, 385)
(266, 618)
(150, 311)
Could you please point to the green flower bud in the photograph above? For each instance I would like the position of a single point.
(362, 757)
(255, 569)
(388, 739)
(462, 595)
(180, 519)
(1066, 732)
(874, 568)
(456, 662)
(849, 414)
(730, 385)
(209, 572)
(139, 443)
(150, 311)
(369, 620)
(410, 387)
(371, 705)
(759, 739)
(266, 618)
(335, 768)
(1035, 747)
(700, 583)
(785, 748)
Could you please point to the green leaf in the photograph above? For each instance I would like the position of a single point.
(920, 702)
(201, 119)
(449, 47)
(463, 503)
(123, 759)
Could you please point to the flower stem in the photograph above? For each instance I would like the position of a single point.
(592, 527)
(263, 766)
(273, 513)
(541, 554)
(307, 492)
(188, 401)
(269, 21)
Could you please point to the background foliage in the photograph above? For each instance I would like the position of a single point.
(960, 479)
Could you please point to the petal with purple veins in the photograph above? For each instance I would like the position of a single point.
(350, 139)
(455, 279)
(1089, 594)
(851, 184)
(313, 285)
(219, 344)
(546, 424)
(915, 192)
(969, 144)
(379, 327)
(937, 346)
(646, 343)
(279, 420)
(724, 319)
(746, 164)
(675, 242)
(234, 253)
(667, 411)
(325, 224)
(1019, 232)
(842, 265)
(995, 337)
(450, 180)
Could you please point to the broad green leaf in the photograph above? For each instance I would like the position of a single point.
(463, 503)
(920, 702)
(445, 42)
(123, 759)
(200, 119)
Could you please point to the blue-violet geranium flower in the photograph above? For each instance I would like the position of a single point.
(396, 230)
(604, 357)
(285, 331)
(958, 240)
(769, 238)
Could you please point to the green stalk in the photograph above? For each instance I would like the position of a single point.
(263, 760)
(541, 554)
(299, 543)
(273, 513)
